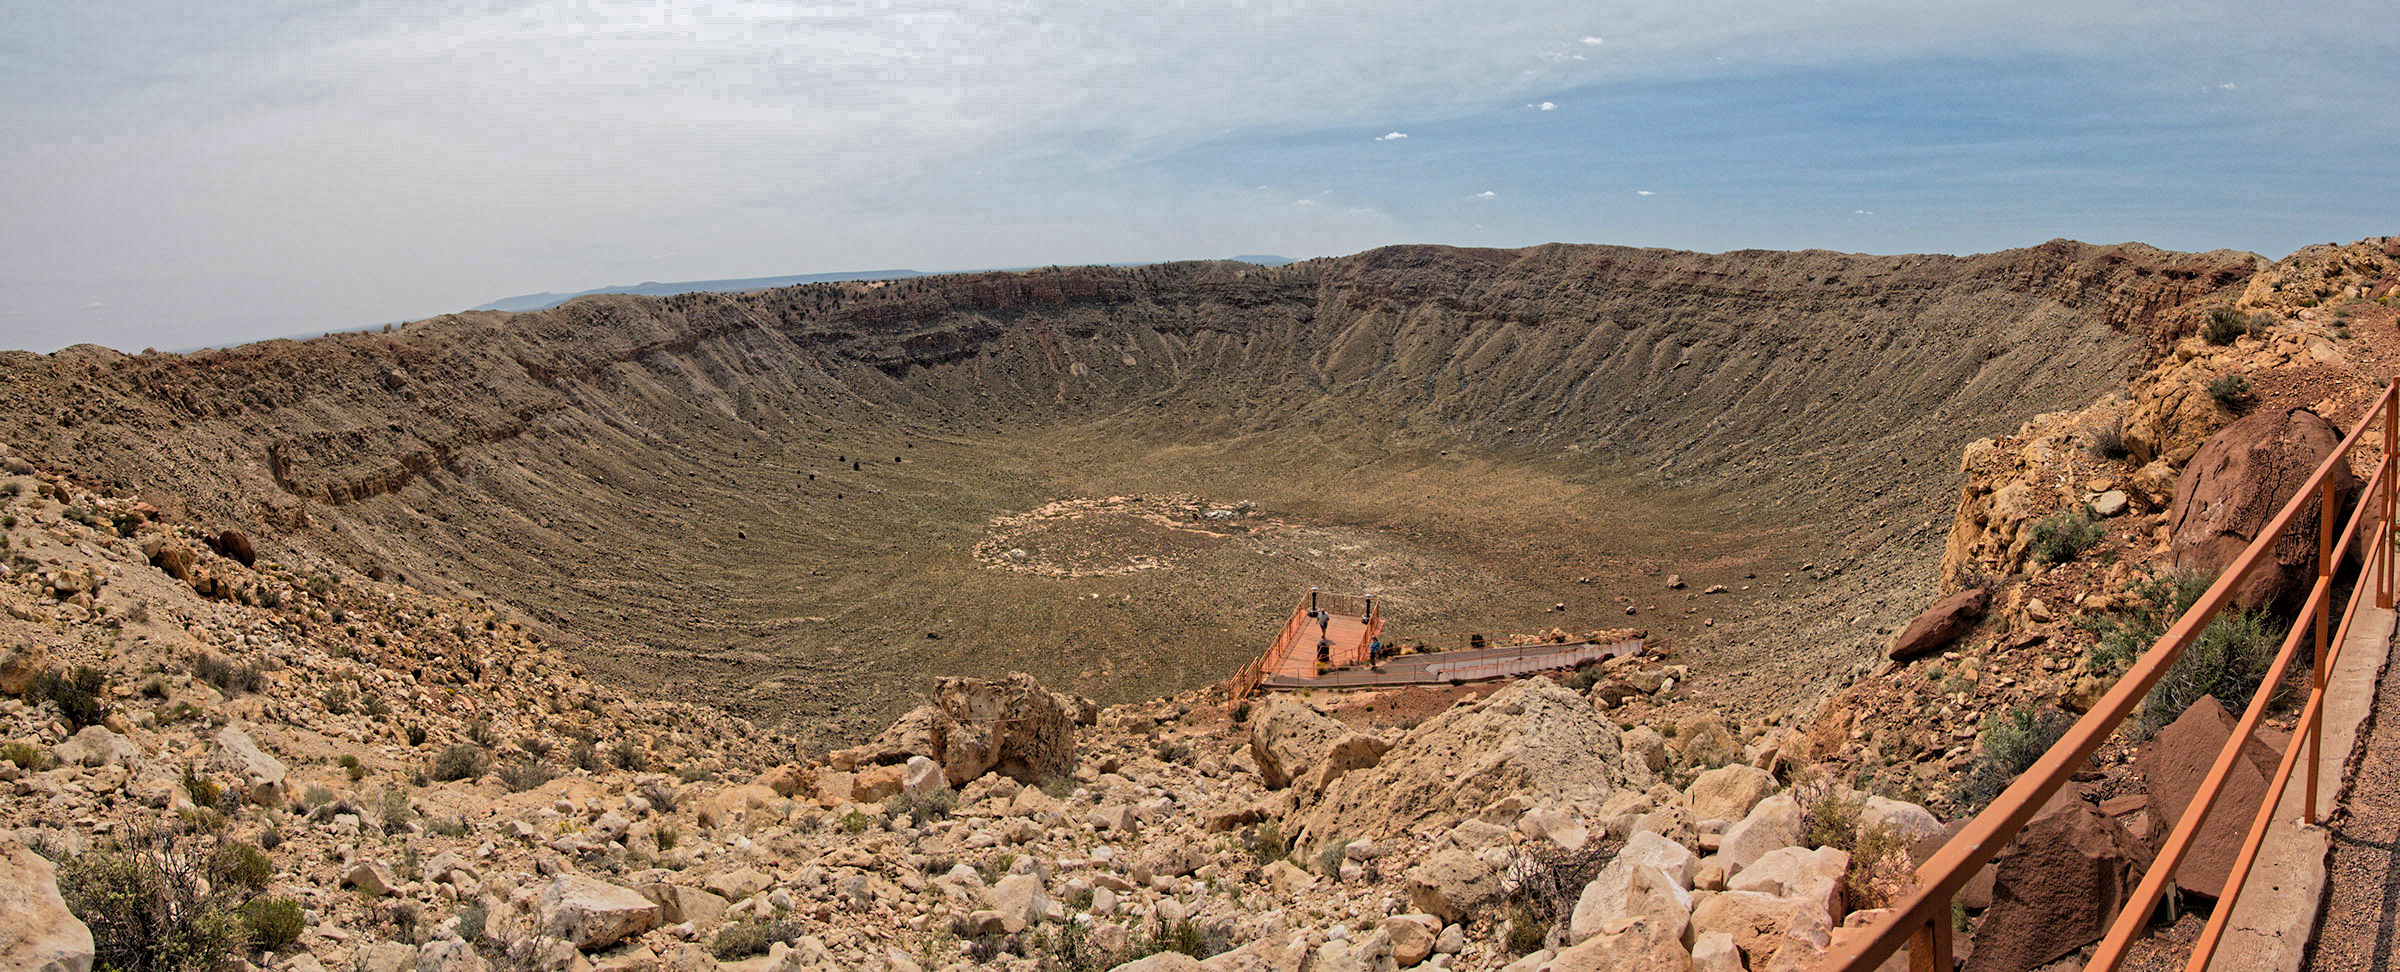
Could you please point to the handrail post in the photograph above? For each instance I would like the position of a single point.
(1929, 949)
(2324, 620)
(2383, 530)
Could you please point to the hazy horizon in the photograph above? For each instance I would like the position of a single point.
(185, 176)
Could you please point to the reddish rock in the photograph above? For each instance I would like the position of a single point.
(235, 544)
(2175, 762)
(1941, 624)
(2057, 887)
(2237, 482)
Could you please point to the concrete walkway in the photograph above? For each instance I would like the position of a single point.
(2277, 915)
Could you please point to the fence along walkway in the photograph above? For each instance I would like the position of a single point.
(1920, 922)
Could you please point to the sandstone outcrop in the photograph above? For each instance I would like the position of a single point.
(1011, 726)
(1941, 624)
(37, 933)
(2237, 482)
(2175, 762)
(2057, 886)
(1534, 739)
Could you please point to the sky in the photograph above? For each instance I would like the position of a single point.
(178, 174)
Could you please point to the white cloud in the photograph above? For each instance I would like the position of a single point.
(1546, 106)
(1595, 41)
(1644, 192)
(1304, 202)
(1486, 194)
(1391, 136)
(1862, 212)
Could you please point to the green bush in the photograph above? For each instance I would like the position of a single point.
(2231, 391)
(752, 936)
(461, 761)
(80, 695)
(2012, 741)
(923, 811)
(2224, 326)
(150, 906)
(2229, 660)
(524, 775)
(2063, 536)
(26, 755)
(241, 865)
(1266, 843)
(855, 822)
(273, 924)
(2157, 600)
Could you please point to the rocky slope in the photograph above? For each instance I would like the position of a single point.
(362, 777)
(775, 496)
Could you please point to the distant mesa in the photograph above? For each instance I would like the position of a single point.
(541, 301)
(652, 288)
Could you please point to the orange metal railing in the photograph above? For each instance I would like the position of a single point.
(1293, 638)
(1921, 922)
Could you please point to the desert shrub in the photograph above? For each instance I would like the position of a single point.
(393, 808)
(1266, 843)
(525, 774)
(667, 835)
(2012, 740)
(372, 704)
(2109, 442)
(337, 701)
(481, 734)
(203, 791)
(752, 936)
(628, 755)
(26, 755)
(352, 766)
(1329, 857)
(461, 761)
(923, 810)
(1183, 935)
(1171, 751)
(447, 826)
(151, 907)
(229, 677)
(472, 920)
(534, 746)
(855, 822)
(2229, 660)
(1542, 881)
(272, 923)
(696, 773)
(240, 864)
(1526, 933)
(1058, 787)
(586, 758)
(315, 796)
(80, 695)
(2063, 536)
(415, 734)
(2224, 326)
(2124, 634)
(2231, 391)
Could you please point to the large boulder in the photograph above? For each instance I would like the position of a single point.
(1772, 825)
(21, 664)
(1012, 726)
(1642, 943)
(1756, 921)
(1625, 889)
(1728, 792)
(2174, 764)
(594, 914)
(2057, 886)
(1941, 624)
(1535, 741)
(97, 746)
(1294, 743)
(37, 932)
(260, 776)
(2237, 482)
(1452, 885)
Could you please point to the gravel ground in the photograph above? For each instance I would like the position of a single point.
(2355, 931)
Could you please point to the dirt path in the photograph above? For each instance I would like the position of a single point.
(2356, 929)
